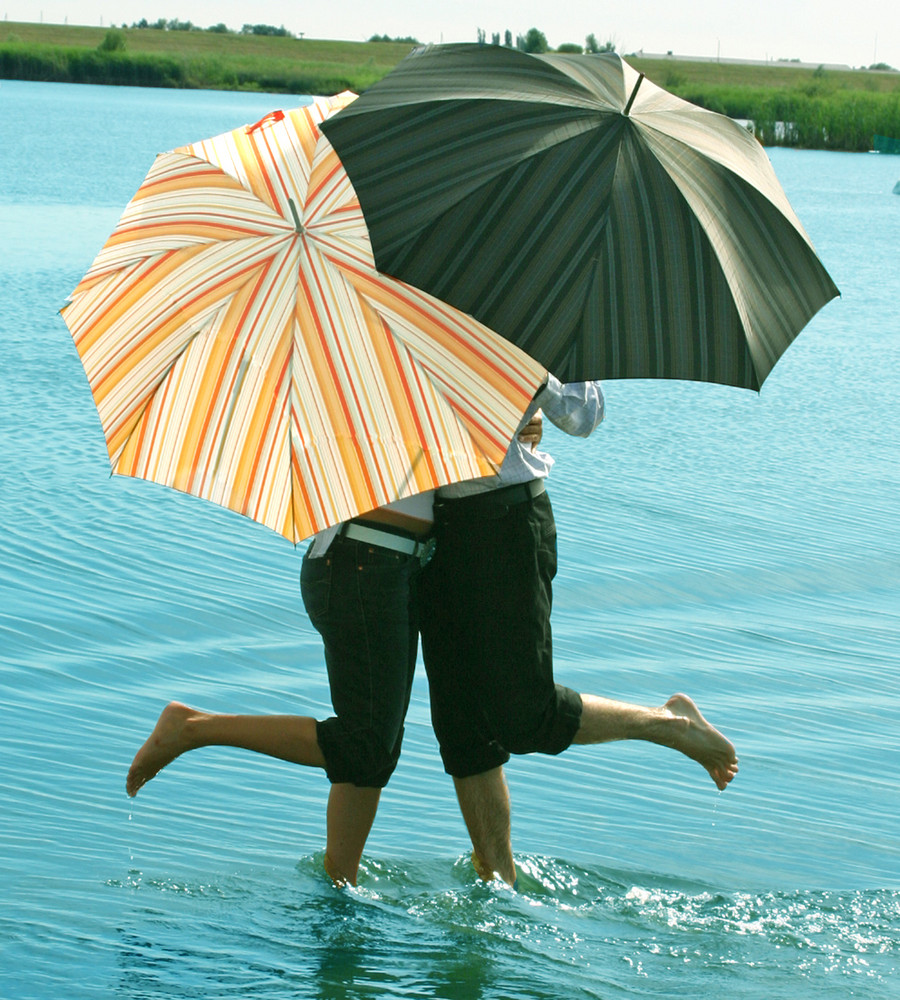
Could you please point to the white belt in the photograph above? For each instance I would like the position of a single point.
(386, 539)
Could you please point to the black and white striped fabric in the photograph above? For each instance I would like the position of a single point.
(605, 226)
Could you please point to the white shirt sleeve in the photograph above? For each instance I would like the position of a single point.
(574, 407)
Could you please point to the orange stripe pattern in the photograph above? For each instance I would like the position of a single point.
(241, 347)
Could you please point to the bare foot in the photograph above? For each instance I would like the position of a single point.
(167, 741)
(331, 870)
(702, 742)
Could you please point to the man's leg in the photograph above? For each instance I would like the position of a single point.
(484, 803)
(677, 724)
(180, 728)
(485, 637)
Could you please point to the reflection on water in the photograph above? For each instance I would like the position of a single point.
(416, 932)
(743, 548)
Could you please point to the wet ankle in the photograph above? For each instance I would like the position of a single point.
(332, 872)
(482, 868)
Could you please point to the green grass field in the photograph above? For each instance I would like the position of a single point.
(382, 55)
(673, 73)
(830, 109)
(362, 59)
(203, 58)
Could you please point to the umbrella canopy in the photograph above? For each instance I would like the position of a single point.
(241, 347)
(607, 227)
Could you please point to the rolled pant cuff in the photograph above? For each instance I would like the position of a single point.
(464, 763)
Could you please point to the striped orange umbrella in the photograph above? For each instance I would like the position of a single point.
(241, 346)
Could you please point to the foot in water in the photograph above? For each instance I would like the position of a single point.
(702, 742)
(167, 741)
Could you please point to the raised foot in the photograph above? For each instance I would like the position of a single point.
(702, 742)
(167, 741)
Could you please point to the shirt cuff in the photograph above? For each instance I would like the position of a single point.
(551, 389)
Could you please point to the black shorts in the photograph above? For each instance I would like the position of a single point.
(485, 602)
(362, 600)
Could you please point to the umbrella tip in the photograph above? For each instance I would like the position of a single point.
(298, 225)
(633, 95)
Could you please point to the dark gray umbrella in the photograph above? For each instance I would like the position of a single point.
(607, 227)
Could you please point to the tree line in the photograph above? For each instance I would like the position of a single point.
(535, 41)
(161, 24)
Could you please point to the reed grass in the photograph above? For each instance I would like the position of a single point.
(793, 116)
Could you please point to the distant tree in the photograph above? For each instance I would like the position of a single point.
(593, 46)
(113, 41)
(265, 29)
(570, 47)
(495, 38)
(481, 36)
(507, 39)
(535, 41)
(219, 29)
(408, 40)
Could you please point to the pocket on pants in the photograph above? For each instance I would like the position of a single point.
(315, 586)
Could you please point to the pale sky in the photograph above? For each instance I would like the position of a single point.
(816, 31)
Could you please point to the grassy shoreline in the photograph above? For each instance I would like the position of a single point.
(827, 109)
(193, 59)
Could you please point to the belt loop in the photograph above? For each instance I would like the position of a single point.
(426, 551)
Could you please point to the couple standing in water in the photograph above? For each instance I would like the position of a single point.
(471, 570)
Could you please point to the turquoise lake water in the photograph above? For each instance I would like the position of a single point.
(742, 548)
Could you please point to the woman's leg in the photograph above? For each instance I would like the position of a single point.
(351, 812)
(363, 602)
(180, 728)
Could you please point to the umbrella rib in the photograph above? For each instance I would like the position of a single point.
(162, 378)
(627, 109)
(408, 478)
(298, 225)
(229, 413)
